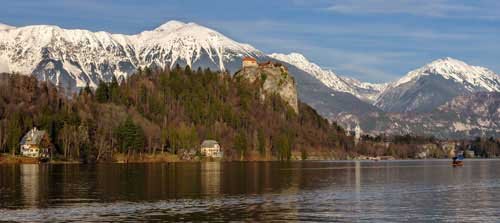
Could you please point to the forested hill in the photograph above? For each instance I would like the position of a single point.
(163, 111)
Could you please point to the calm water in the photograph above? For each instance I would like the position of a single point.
(255, 191)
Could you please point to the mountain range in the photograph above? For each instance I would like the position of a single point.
(73, 58)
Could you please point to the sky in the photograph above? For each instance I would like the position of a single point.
(371, 40)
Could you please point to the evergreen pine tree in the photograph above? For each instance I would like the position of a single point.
(240, 144)
(114, 90)
(86, 90)
(14, 133)
(262, 141)
(102, 92)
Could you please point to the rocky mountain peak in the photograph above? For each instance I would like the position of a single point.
(170, 26)
(186, 43)
(474, 77)
(74, 58)
(426, 88)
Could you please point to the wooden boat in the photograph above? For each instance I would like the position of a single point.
(458, 161)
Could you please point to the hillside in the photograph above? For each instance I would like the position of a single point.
(160, 111)
(73, 58)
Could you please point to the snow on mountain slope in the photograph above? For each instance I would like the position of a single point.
(188, 42)
(365, 91)
(6, 27)
(472, 77)
(328, 77)
(69, 58)
(73, 58)
(430, 86)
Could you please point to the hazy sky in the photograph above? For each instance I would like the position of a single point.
(372, 40)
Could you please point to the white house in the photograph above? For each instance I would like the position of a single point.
(211, 148)
(36, 144)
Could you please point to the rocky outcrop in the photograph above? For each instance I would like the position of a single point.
(275, 79)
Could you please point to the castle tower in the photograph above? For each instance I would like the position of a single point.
(249, 62)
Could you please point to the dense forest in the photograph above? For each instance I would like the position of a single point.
(163, 111)
(173, 111)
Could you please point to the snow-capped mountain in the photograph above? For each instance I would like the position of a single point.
(189, 43)
(72, 58)
(434, 84)
(362, 90)
(69, 58)
(473, 77)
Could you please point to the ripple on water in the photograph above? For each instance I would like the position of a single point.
(311, 191)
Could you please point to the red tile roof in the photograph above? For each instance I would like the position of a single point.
(249, 59)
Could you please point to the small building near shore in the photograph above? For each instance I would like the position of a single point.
(36, 144)
(211, 148)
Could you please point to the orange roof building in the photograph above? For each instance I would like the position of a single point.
(249, 62)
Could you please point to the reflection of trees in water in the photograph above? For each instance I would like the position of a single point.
(149, 181)
(293, 178)
(357, 174)
(10, 190)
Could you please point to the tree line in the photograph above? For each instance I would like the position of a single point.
(409, 146)
(173, 110)
(157, 111)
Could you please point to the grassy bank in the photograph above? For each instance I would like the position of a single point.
(145, 158)
(169, 158)
(12, 159)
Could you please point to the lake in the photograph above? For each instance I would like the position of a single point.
(385, 191)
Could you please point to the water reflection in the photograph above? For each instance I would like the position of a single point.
(252, 191)
(358, 178)
(34, 181)
(210, 178)
(30, 182)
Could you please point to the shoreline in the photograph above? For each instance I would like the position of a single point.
(169, 158)
(6, 158)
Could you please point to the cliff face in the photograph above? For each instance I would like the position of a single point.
(275, 79)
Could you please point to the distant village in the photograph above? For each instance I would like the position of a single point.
(425, 150)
